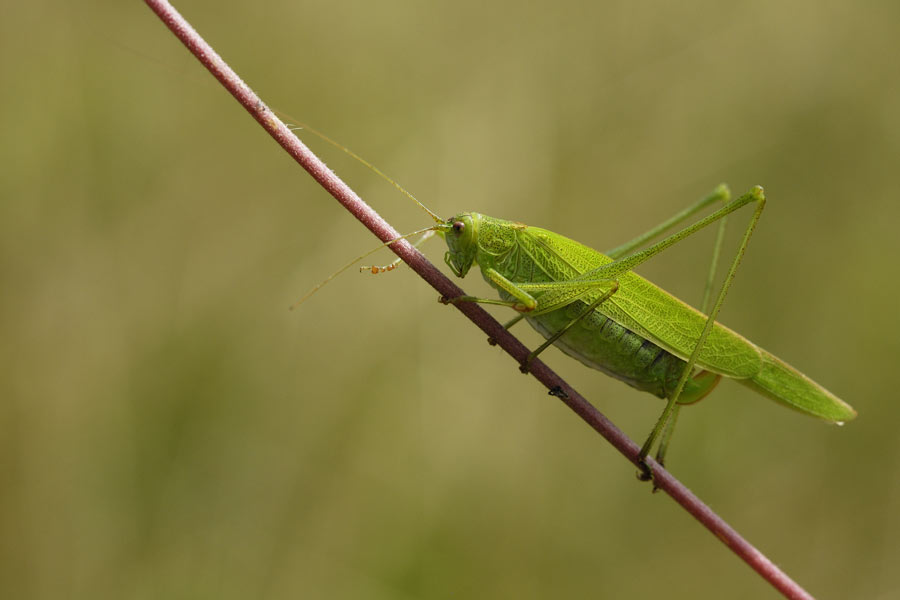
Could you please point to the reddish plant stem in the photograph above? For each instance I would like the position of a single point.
(358, 208)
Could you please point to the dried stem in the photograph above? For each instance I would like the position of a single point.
(558, 387)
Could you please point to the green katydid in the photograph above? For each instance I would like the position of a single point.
(594, 308)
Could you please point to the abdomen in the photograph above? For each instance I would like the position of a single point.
(602, 344)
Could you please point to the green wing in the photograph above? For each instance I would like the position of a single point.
(645, 308)
(675, 326)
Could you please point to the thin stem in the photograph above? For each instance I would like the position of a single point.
(418, 263)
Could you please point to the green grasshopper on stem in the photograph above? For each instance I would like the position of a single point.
(593, 307)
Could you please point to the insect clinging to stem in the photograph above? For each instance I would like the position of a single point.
(595, 308)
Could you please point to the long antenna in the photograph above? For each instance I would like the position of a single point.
(376, 170)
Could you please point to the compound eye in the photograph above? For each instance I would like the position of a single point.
(459, 226)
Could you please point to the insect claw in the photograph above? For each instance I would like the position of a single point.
(644, 473)
(526, 366)
(559, 393)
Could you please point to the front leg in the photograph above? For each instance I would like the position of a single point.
(523, 301)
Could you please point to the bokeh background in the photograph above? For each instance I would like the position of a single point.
(169, 430)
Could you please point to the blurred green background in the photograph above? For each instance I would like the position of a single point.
(169, 430)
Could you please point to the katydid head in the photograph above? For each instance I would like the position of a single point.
(461, 234)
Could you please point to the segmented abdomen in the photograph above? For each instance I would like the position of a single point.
(602, 344)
